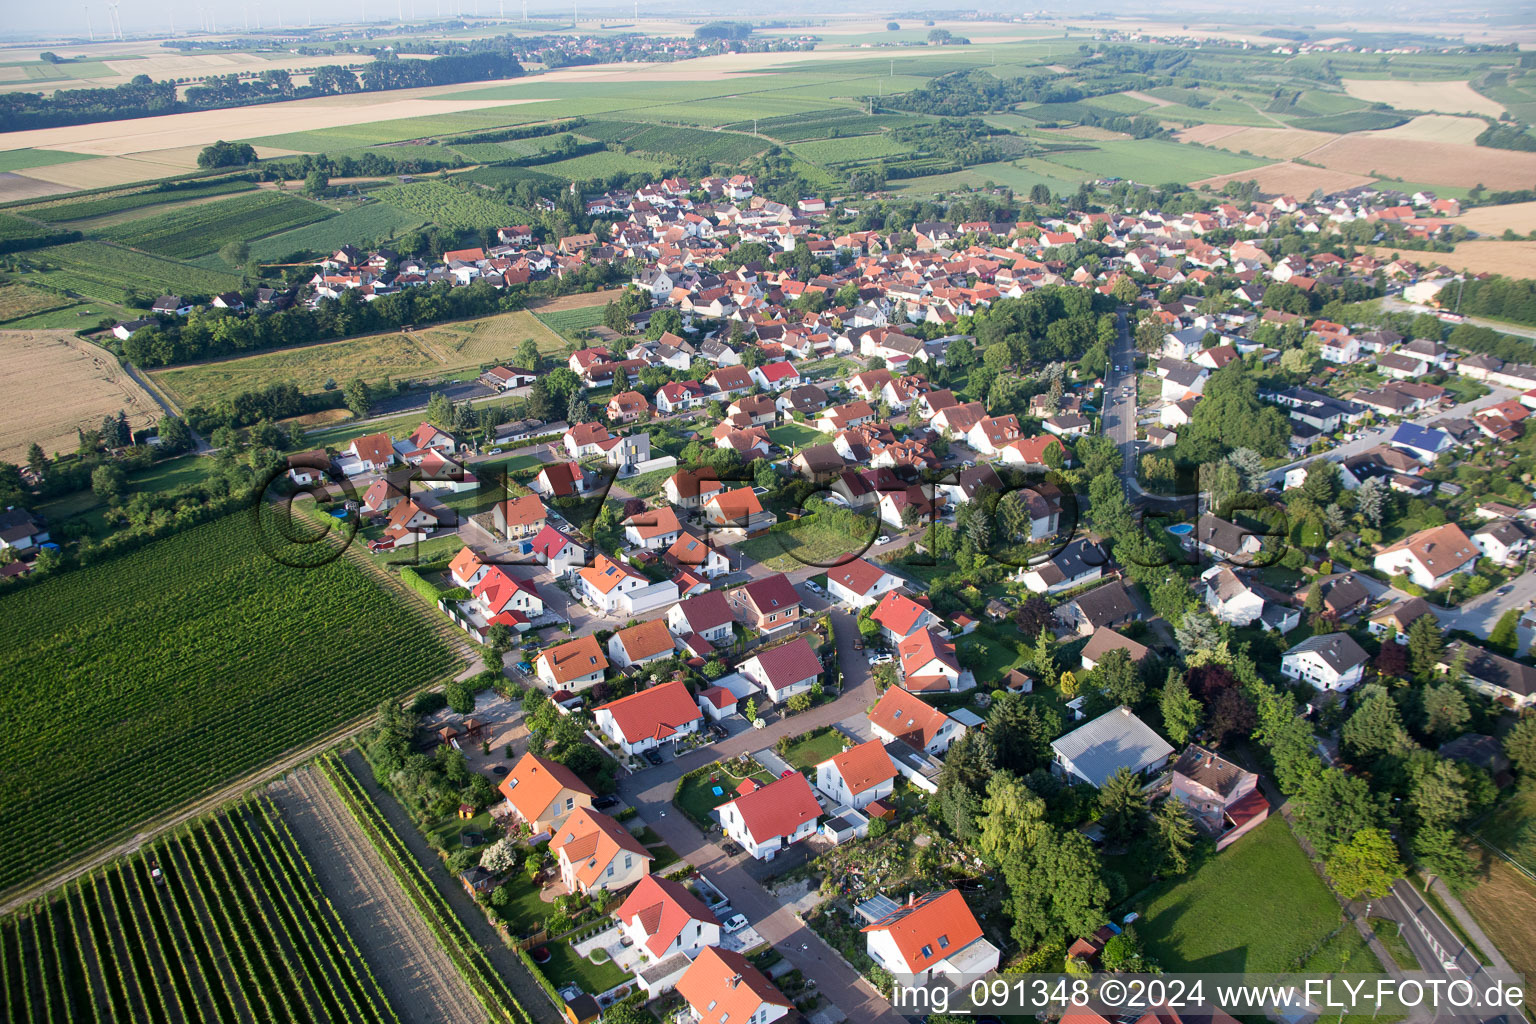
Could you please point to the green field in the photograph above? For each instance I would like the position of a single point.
(378, 222)
(22, 159)
(570, 322)
(150, 702)
(195, 230)
(1197, 923)
(1153, 161)
(109, 272)
(600, 165)
(17, 301)
(860, 147)
(803, 542)
(676, 143)
(447, 206)
(822, 124)
(796, 435)
(99, 205)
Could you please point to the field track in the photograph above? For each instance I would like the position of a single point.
(419, 980)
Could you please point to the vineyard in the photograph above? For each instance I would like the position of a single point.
(194, 230)
(492, 991)
(568, 322)
(234, 928)
(448, 207)
(108, 272)
(376, 222)
(156, 676)
(825, 124)
(100, 205)
(676, 143)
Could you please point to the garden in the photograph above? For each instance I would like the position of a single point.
(696, 794)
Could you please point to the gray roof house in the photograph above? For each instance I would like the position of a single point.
(1116, 739)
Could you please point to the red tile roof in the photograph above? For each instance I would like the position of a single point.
(581, 657)
(858, 576)
(645, 640)
(656, 713)
(534, 782)
(591, 840)
(772, 593)
(930, 928)
(722, 987)
(864, 766)
(898, 613)
(665, 908)
(905, 716)
(778, 808)
(789, 663)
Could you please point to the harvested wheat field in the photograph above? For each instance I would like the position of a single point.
(1443, 97)
(19, 186)
(1440, 163)
(55, 383)
(1437, 128)
(579, 300)
(1512, 259)
(1275, 143)
(1504, 902)
(1492, 220)
(1292, 179)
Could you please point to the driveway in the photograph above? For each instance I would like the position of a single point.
(651, 793)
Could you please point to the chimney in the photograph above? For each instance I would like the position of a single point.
(735, 980)
(911, 898)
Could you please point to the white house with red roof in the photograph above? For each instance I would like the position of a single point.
(563, 480)
(556, 549)
(898, 617)
(544, 793)
(426, 438)
(467, 568)
(778, 376)
(371, 453)
(721, 987)
(707, 615)
(615, 588)
(857, 776)
(505, 600)
(772, 818)
(902, 715)
(693, 554)
(860, 584)
(653, 529)
(596, 853)
(678, 395)
(585, 439)
(929, 664)
(931, 936)
(785, 670)
(648, 719)
(767, 605)
(663, 918)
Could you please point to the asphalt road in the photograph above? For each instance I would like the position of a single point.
(1481, 614)
(650, 791)
(1397, 305)
(1118, 420)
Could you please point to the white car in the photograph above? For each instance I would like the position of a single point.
(734, 923)
(884, 538)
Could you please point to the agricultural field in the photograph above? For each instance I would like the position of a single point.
(1275, 143)
(850, 150)
(24, 159)
(153, 700)
(1440, 97)
(110, 273)
(195, 230)
(448, 206)
(600, 165)
(1154, 160)
(823, 124)
(1381, 155)
(99, 205)
(1492, 220)
(18, 301)
(16, 232)
(676, 143)
(1286, 177)
(443, 352)
(374, 221)
(54, 382)
(233, 928)
(568, 323)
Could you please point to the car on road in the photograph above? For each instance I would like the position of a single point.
(884, 538)
(1505, 589)
(654, 756)
(494, 451)
(734, 923)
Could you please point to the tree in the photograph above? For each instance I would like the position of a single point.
(963, 782)
(1365, 867)
(1233, 713)
(1035, 614)
(1375, 727)
(37, 460)
(315, 183)
(1124, 289)
(1445, 708)
(1370, 502)
(1181, 711)
(1045, 658)
(357, 396)
(1119, 679)
(501, 856)
(108, 481)
(749, 710)
(1440, 797)
(1425, 645)
(529, 357)
(1331, 806)
(1174, 830)
(1150, 332)
(1520, 745)
(236, 253)
(1122, 809)
(1505, 636)
(1021, 729)
(461, 695)
(577, 410)
(1439, 851)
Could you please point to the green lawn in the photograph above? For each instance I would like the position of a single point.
(796, 435)
(809, 751)
(1256, 907)
(695, 797)
(804, 542)
(525, 912)
(990, 653)
(646, 485)
(1397, 946)
(566, 966)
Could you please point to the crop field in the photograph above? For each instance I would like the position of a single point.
(507, 174)
(1153, 160)
(235, 929)
(1287, 177)
(1513, 90)
(569, 322)
(1274, 143)
(378, 222)
(109, 272)
(55, 382)
(194, 230)
(440, 352)
(1380, 154)
(1020, 175)
(600, 165)
(15, 229)
(1439, 128)
(1441, 97)
(132, 199)
(23, 159)
(150, 703)
(822, 124)
(19, 300)
(447, 206)
(677, 143)
(850, 150)
(1492, 220)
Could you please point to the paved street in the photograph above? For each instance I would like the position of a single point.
(1396, 305)
(651, 793)
(1481, 614)
(1119, 413)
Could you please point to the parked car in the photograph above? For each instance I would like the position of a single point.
(525, 667)
(602, 803)
(884, 538)
(734, 923)
(654, 756)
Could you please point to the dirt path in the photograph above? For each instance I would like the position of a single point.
(419, 980)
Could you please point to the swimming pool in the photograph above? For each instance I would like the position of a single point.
(1181, 529)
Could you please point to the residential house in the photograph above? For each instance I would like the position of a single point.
(691, 554)
(1079, 562)
(771, 818)
(1430, 557)
(563, 480)
(928, 664)
(931, 936)
(640, 644)
(661, 916)
(779, 376)
(653, 529)
(721, 987)
(1509, 682)
(1100, 748)
(860, 584)
(901, 715)
(1109, 605)
(785, 670)
(1329, 661)
(647, 719)
(738, 511)
(707, 615)
(574, 665)
(857, 776)
(1398, 617)
(556, 549)
(1222, 798)
(690, 488)
(1105, 640)
(20, 531)
(614, 588)
(767, 605)
(898, 617)
(543, 793)
(1504, 541)
(596, 853)
(519, 517)
(371, 453)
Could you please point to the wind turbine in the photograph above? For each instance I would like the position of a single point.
(89, 31)
(114, 19)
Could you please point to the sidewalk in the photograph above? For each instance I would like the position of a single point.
(1469, 924)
